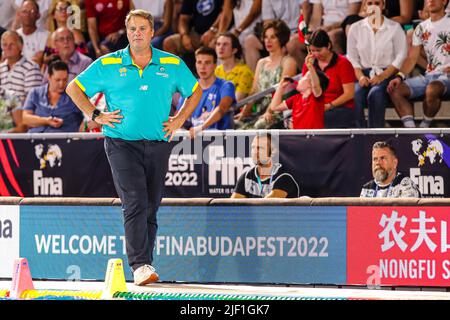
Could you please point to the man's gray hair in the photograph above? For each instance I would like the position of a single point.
(13, 33)
(139, 13)
(383, 145)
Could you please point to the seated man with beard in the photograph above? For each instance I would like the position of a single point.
(387, 181)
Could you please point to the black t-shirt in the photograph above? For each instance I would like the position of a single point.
(393, 8)
(249, 186)
(203, 12)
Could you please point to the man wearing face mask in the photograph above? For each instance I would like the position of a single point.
(267, 179)
(387, 181)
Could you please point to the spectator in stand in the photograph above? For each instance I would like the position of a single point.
(197, 26)
(214, 108)
(48, 108)
(34, 38)
(376, 48)
(106, 26)
(244, 14)
(229, 52)
(268, 178)
(65, 50)
(7, 13)
(308, 105)
(339, 104)
(433, 35)
(286, 10)
(43, 14)
(269, 72)
(162, 11)
(17, 76)
(401, 11)
(177, 4)
(387, 182)
(329, 15)
(2, 31)
(59, 18)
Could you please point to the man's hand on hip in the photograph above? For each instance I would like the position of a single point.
(107, 118)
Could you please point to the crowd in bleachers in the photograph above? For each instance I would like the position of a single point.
(356, 58)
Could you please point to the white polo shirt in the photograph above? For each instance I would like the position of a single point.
(334, 10)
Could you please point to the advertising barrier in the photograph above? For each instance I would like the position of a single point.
(324, 165)
(406, 246)
(194, 243)
(336, 241)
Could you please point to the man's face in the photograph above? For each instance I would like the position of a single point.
(224, 48)
(11, 46)
(64, 42)
(435, 6)
(261, 150)
(58, 80)
(384, 164)
(204, 63)
(28, 14)
(139, 33)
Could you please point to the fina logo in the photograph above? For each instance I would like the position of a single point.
(224, 170)
(53, 155)
(47, 186)
(433, 150)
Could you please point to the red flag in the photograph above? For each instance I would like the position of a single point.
(302, 29)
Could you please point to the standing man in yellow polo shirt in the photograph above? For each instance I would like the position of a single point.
(138, 83)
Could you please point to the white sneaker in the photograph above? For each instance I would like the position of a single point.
(145, 275)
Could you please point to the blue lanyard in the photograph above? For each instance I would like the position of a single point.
(259, 179)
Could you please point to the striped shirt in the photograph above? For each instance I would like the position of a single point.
(21, 78)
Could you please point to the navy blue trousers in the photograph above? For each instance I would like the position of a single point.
(139, 169)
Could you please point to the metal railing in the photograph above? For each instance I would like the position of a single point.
(212, 133)
(262, 94)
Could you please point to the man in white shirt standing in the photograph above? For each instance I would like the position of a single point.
(34, 38)
(433, 35)
(377, 48)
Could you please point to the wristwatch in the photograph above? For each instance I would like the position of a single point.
(95, 114)
(401, 75)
